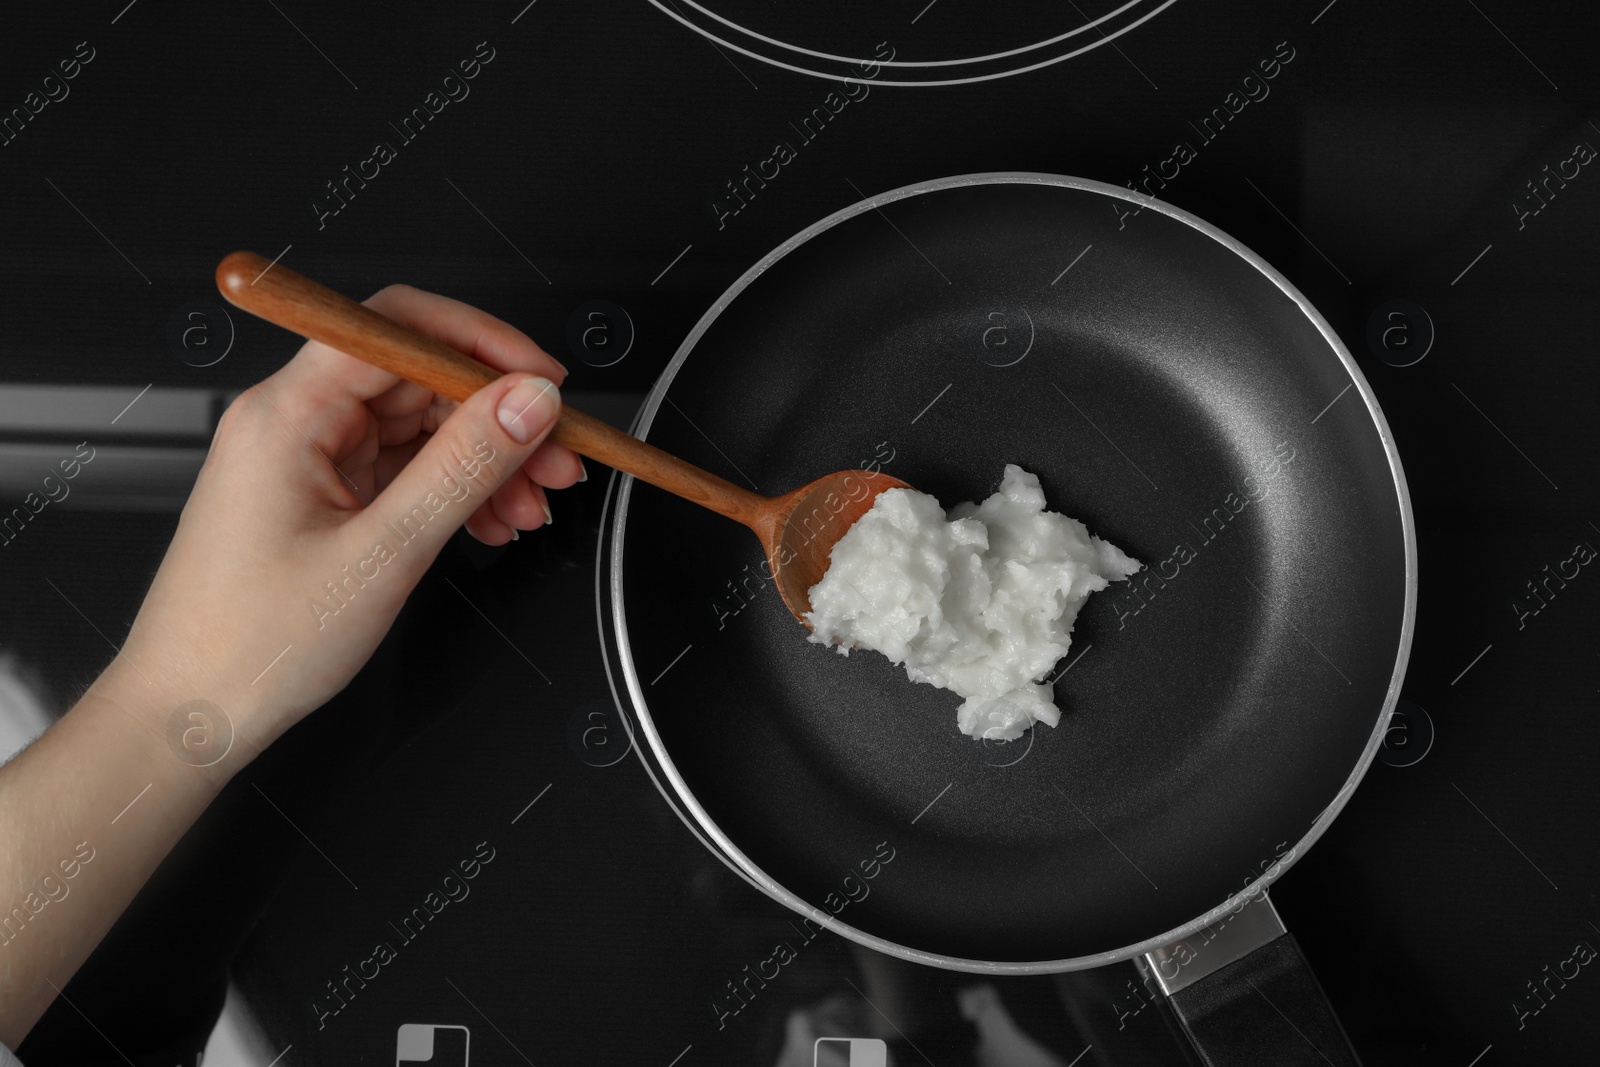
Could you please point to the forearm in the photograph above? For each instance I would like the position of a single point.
(86, 814)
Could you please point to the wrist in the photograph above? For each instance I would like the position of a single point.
(181, 733)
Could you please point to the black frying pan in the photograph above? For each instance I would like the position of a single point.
(1172, 391)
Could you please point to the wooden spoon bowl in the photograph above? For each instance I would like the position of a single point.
(809, 522)
(797, 530)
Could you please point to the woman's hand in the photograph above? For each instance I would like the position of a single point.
(329, 489)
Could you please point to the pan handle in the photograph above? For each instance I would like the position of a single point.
(1243, 993)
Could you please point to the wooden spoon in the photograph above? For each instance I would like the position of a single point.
(797, 530)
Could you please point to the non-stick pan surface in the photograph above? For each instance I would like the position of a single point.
(1170, 390)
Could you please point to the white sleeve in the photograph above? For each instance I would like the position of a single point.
(7, 1059)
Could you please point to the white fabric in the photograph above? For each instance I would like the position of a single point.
(7, 1059)
(22, 716)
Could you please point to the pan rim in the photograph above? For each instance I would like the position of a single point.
(734, 857)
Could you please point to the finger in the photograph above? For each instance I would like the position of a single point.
(520, 504)
(364, 454)
(554, 466)
(467, 329)
(406, 400)
(479, 448)
(398, 427)
(392, 459)
(486, 526)
(321, 387)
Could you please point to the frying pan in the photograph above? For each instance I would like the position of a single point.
(1179, 396)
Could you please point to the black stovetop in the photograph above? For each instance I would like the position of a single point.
(1422, 175)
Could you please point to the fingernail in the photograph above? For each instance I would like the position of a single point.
(528, 408)
(548, 518)
(514, 535)
(583, 472)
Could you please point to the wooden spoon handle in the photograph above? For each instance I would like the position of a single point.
(297, 303)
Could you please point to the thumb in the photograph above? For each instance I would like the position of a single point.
(482, 444)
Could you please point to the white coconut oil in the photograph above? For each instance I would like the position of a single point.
(980, 602)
